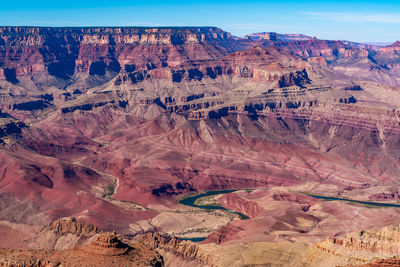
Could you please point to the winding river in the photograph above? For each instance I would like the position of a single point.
(369, 203)
(191, 201)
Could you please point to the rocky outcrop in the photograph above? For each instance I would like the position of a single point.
(385, 240)
(185, 250)
(107, 250)
(223, 234)
(64, 233)
(235, 202)
(107, 245)
(382, 263)
(385, 196)
(375, 247)
(305, 201)
(396, 44)
(70, 225)
(391, 48)
(85, 107)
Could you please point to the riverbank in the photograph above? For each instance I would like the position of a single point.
(367, 203)
(193, 200)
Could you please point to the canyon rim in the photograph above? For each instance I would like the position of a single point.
(191, 146)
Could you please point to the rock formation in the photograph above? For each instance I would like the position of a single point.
(234, 202)
(63, 233)
(112, 126)
(107, 250)
(186, 251)
(70, 225)
(107, 245)
(383, 263)
(366, 247)
(386, 240)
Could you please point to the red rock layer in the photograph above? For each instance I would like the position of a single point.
(234, 202)
(104, 124)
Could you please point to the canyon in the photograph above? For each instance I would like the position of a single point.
(109, 127)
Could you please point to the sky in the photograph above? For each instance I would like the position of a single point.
(360, 21)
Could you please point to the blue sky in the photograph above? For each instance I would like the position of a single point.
(368, 21)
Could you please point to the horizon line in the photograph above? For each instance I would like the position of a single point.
(194, 26)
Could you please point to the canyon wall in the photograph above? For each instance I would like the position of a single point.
(112, 126)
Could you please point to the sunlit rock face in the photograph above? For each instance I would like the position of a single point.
(112, 125)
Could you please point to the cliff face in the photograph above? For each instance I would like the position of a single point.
(63, 52)
(363, 248)
(186, 251)
(68, 53)
(385, 240)
(70, 225)
(235, 202)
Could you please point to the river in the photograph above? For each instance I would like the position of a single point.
(191, 201)
(376, 204)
